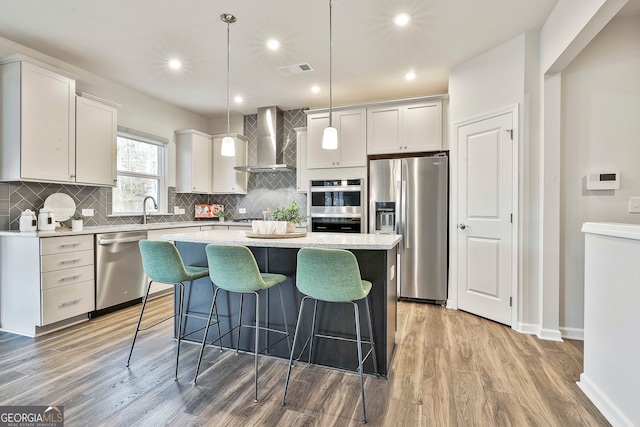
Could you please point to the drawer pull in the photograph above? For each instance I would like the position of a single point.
(69, 244)
(69, 261)
(68, 303)
(69, 278)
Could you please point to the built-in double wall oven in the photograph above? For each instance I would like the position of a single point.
(336, 205)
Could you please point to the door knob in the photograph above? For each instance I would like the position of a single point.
(462, 226)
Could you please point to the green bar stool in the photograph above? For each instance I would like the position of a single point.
(333, 275)
(162, 262)
(234, 269)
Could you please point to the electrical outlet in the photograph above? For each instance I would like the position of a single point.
(634, 204)
(242, 210)
(87, 212)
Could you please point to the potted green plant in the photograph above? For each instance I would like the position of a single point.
(77, 222)
(291, 214)
(221, 215)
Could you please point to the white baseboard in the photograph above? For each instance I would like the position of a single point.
(528, 328)
(603, 403)
(550, 335)
(572, 333)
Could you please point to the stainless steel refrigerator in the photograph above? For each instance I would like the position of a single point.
(409, 196)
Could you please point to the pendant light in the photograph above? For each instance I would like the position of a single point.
(330, 135)
(228, 146)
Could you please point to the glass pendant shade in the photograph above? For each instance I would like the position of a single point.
(330, 138)
(228, 147)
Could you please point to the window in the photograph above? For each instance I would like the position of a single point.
(141, 170)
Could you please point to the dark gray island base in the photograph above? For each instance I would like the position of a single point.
(376, 265)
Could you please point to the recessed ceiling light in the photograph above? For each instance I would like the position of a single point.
(273, 44)
(238, 99)
(402, 19)
(410, 75)
(175, 64)
(315, 89)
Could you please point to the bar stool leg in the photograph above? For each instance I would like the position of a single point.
(256, 349)
(239, 323)
(293, 347)
(373, 345)
(360, 368)
(135, 335)
(180, 315)
(284, 319)
(206, 332)
(313, 330)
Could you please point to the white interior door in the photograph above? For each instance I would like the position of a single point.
(485, 168)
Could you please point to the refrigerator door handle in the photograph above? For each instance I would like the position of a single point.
(405, 223)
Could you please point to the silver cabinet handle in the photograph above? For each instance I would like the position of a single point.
(69, 244)
(69, 261)
(68, 303)
(462, 226)
(63, 279)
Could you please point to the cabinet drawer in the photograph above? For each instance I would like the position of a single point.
(67, 301)
(56, 245)
(65, 260)
(68, 276)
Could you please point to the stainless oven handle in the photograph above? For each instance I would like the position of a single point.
(124, 240)
(343, 189)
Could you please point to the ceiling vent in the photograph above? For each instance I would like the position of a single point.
(295, 69)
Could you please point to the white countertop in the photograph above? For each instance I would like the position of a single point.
(122, 227)
(625, 231)
(317, 240)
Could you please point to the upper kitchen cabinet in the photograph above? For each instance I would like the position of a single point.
(96, 141)
(227, 180)
(352, 139)
(405, 128)
(193, 162)
(302, 180)
(38, 122)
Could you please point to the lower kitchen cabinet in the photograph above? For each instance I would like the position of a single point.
(47, 283)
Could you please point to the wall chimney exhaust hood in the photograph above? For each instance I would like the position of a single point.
(271, 143)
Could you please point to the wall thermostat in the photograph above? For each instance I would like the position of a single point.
(603, 181)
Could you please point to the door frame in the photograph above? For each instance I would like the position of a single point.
(517, 227)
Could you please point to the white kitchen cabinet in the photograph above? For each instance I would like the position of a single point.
(227, 180)
(96, 141)
(38, 122)
(405, 128)
(193, 162)
(47, 283)
(352, 139)
(302, 175)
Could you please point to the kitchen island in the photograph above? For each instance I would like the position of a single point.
(376, 255)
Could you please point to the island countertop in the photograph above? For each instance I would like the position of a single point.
(317, 240)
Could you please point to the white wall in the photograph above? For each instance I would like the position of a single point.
(601, 128)
(138, 111)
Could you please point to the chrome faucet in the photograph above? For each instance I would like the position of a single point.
(144, 207)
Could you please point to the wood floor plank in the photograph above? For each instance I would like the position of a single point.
(450, 368)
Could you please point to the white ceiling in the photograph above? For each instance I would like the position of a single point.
(130, 41)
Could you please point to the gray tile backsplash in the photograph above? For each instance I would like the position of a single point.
(265, 190)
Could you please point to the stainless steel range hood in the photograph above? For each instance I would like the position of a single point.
(271, 144)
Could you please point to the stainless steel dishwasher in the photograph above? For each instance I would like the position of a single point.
(120, 277)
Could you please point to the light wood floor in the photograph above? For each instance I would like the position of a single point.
(450, 369)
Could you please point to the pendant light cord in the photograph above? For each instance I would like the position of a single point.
(330, 67)
(228, 49)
